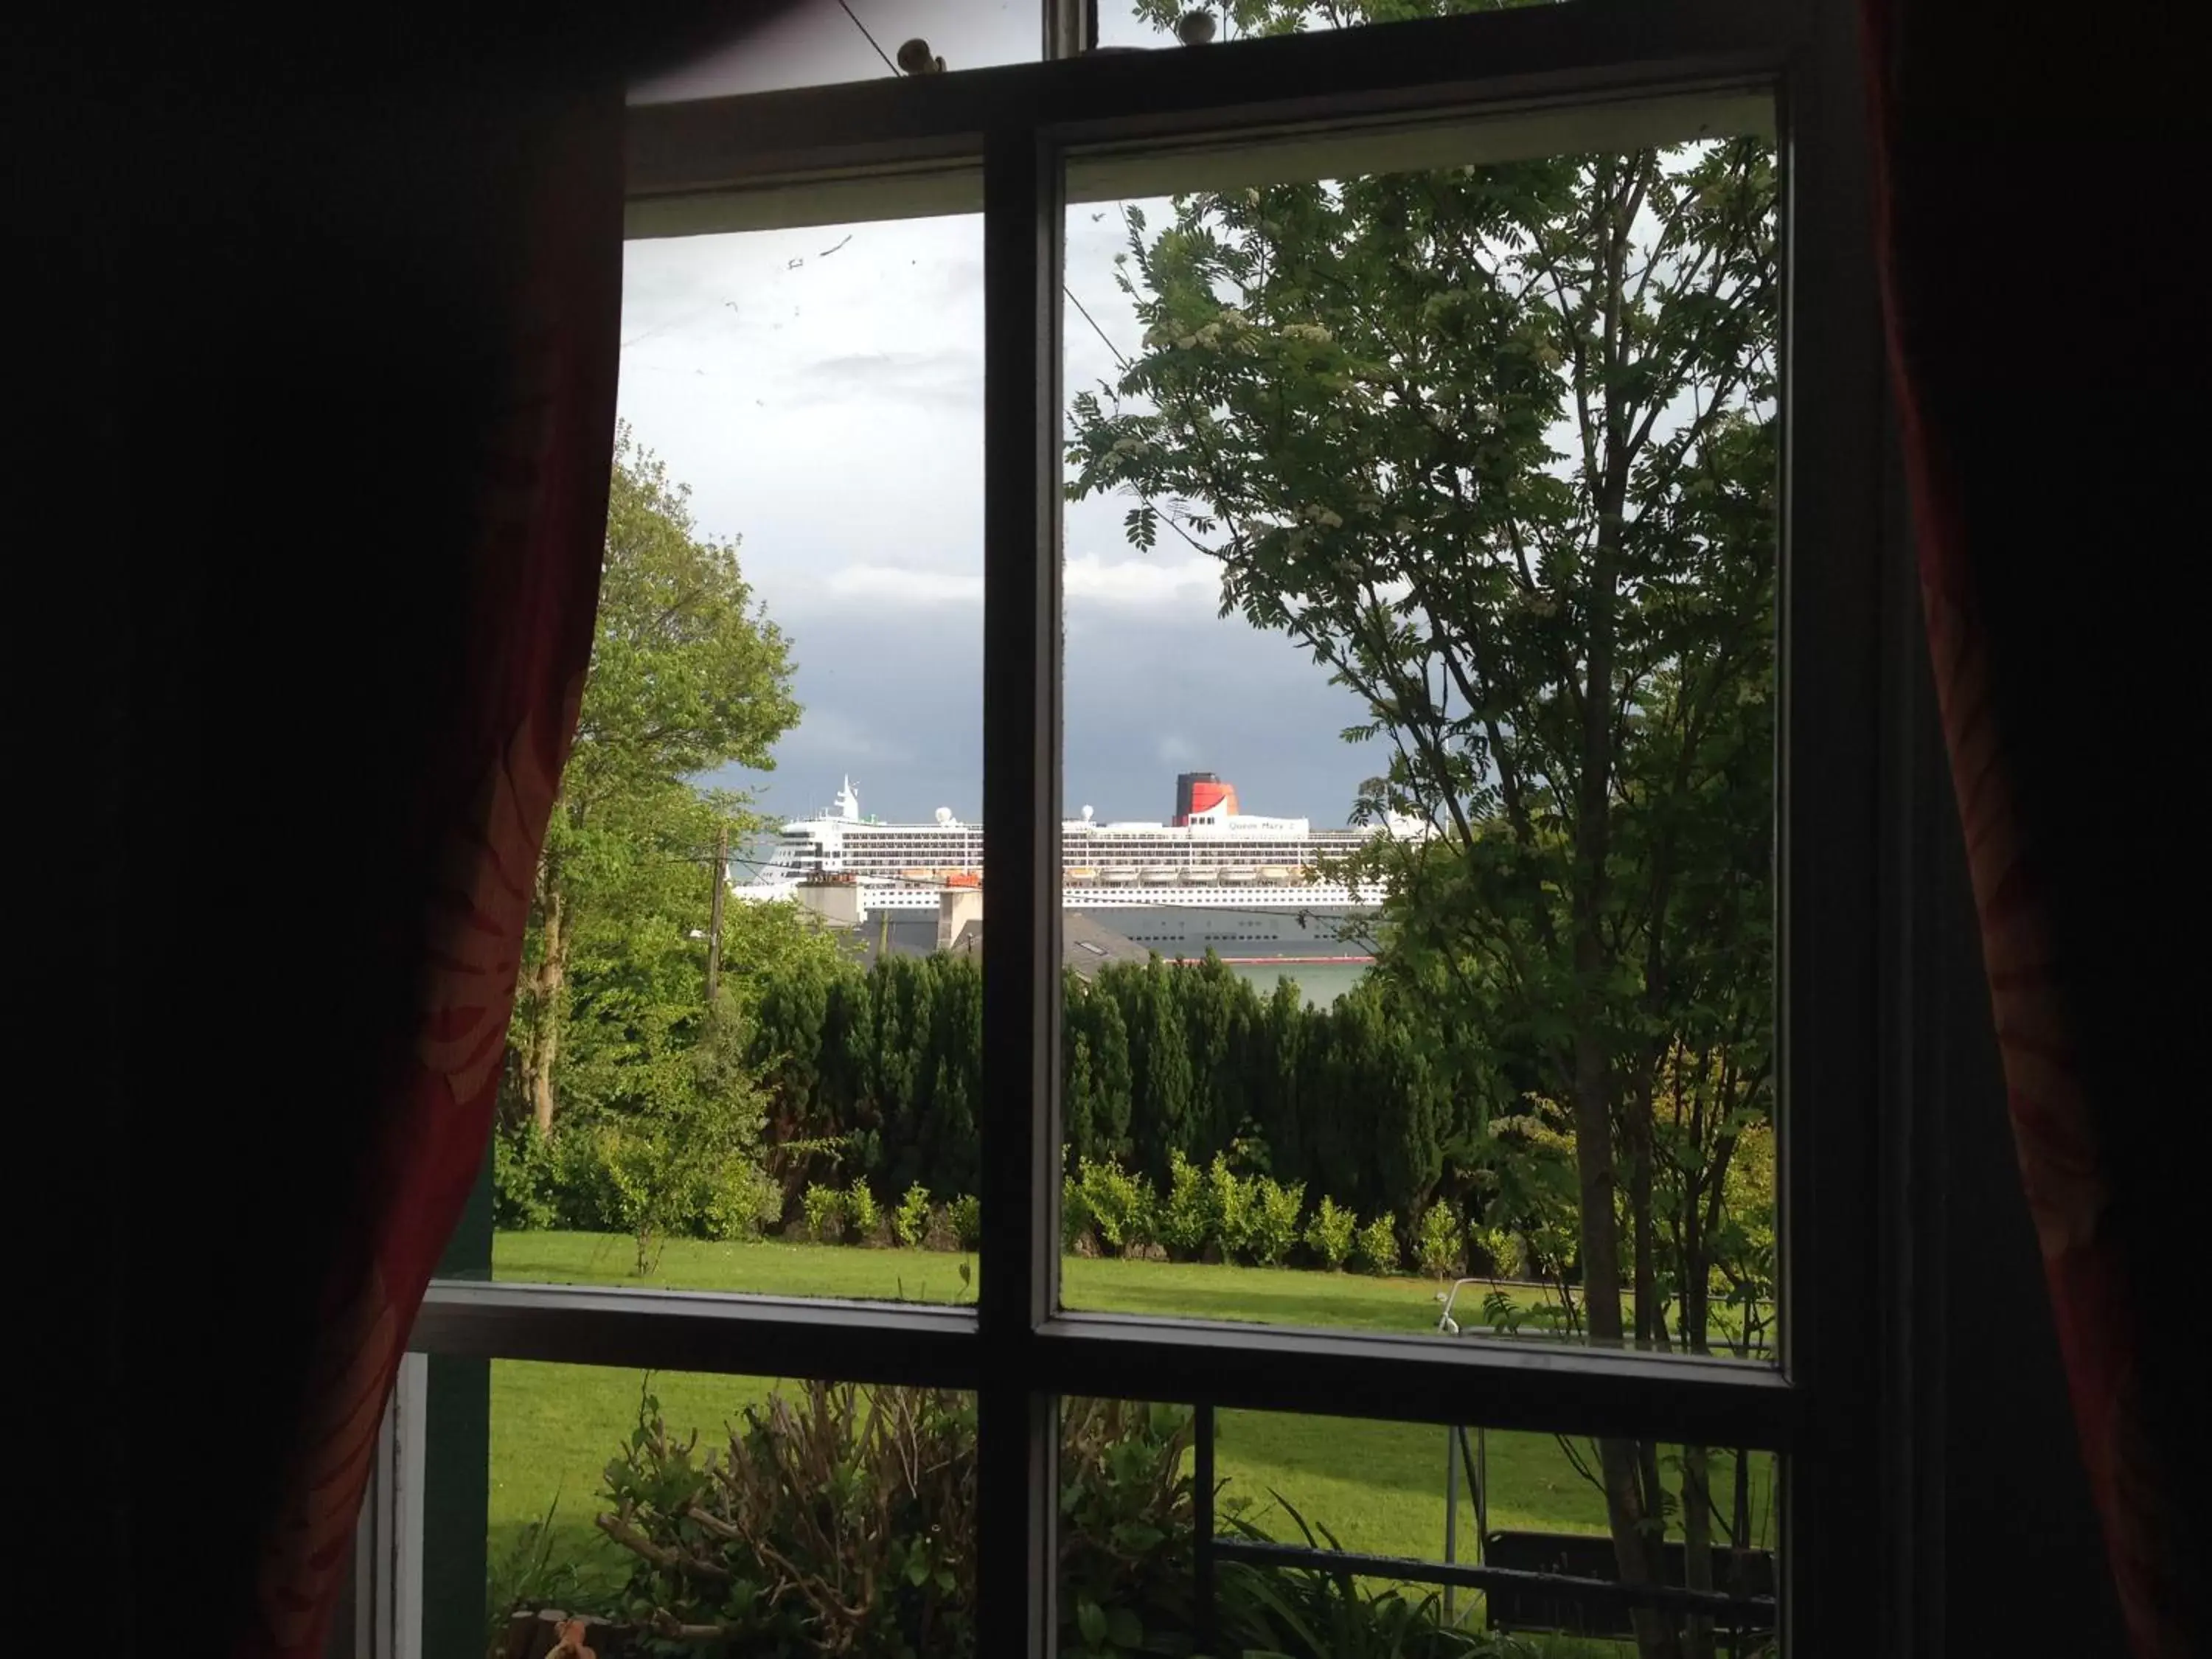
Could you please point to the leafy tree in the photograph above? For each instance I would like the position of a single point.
(686, 674)
(1493, 445)
(688, 1160)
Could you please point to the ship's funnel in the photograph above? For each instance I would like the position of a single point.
(1203, 792)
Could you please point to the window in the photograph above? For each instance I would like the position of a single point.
(763, 387)
(1312, 382)
(1021, 145)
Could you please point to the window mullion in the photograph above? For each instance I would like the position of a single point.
(1830, 1038)
(1020, 1122)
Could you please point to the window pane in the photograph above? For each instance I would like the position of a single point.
(787, 667)
(737, 1506)
(737, 1514)
(1424, 1498)
(816, 43)
(1420, 587)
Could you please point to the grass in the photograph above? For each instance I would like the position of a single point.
(1377, 1486)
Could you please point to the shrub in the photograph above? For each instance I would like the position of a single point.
(910, 1221)
(901, 1462)
(523, 1181)
(1374, 1247)
(1231, 1202)
(828, 1487)
(1120, 1205)
(1328, 1235)
(967, 1221)
(741, 1539)
(1440, 1246)
(1126, 1527)
(1186, 1217)
(823, 1208)
(940, 1235)
(1500, 1250)
(862, 1215)
(1074, 1213)
(1272, 1219)
(744, 1200)
(580, 1187)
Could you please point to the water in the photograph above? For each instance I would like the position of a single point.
(1321, 982)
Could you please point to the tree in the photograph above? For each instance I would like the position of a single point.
(1160, 1082)
(686, 674)
(1493, 445)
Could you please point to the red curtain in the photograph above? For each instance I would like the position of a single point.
(478, 784)
(481, 787)
(2043, 334)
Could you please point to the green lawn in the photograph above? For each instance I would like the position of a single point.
(1377, 1486)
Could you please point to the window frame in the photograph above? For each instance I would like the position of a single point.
(1001, 139)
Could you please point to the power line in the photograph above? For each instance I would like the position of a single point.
(1093, 321)
(1063, 287)
(871, 38)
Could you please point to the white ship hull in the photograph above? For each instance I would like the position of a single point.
(1212, 856)
(1309, 895)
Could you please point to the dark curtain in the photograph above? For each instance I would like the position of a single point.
(2040, 185)
(322, 342)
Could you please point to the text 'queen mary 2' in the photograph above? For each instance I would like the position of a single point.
(1212, 877)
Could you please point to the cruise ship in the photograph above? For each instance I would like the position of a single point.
(1211, 876)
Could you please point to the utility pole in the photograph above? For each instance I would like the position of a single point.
(714, 926)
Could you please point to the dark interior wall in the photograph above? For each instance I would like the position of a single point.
(255, 258)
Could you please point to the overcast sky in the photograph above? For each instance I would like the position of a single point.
(821, 393)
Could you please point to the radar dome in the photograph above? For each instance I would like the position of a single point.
(1086, 815)
(944, 815)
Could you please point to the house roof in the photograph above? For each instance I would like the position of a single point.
(1085, 944)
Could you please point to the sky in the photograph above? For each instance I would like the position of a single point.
(820, 390)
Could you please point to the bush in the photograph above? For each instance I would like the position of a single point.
(1500, 1251)
(1074, 1214)
(1126, 1529)
(744, 1200)
(586, 1196)
(1374, 1247)
(523, 1181)
(1231, 1202)
(1272, 1220)
(738, 1540)
(910, 1221)
(824, 1209)
(1186, 1216)
(1120, 1205)
(830, 1486)
(967, 1221)
(1441, 1247)
(1328, 1235)
(862, 1216)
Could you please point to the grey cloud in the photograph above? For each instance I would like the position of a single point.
(848, 437)
(899, 705)
(936, 378)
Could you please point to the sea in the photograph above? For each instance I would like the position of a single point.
(1321, 982)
